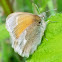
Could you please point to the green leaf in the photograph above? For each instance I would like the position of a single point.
(50, 49)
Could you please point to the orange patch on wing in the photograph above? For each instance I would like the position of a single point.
(23, 23)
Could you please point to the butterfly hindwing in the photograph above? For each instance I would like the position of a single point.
(26, 31)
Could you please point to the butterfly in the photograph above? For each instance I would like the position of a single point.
(26, 31)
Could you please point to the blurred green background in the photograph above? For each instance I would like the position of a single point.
(33, 6)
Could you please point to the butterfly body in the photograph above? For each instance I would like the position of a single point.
(26, 31)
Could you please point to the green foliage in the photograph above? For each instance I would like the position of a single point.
(59, 5)
(24, 5)
(3, 36)
(51, 7)
(19, 5)
(41, 5)
(6, 6)
(3, 32)
(50, 49)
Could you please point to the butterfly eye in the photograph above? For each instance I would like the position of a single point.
(39, 22)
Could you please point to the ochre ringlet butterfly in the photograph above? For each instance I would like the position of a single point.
(26, 31)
